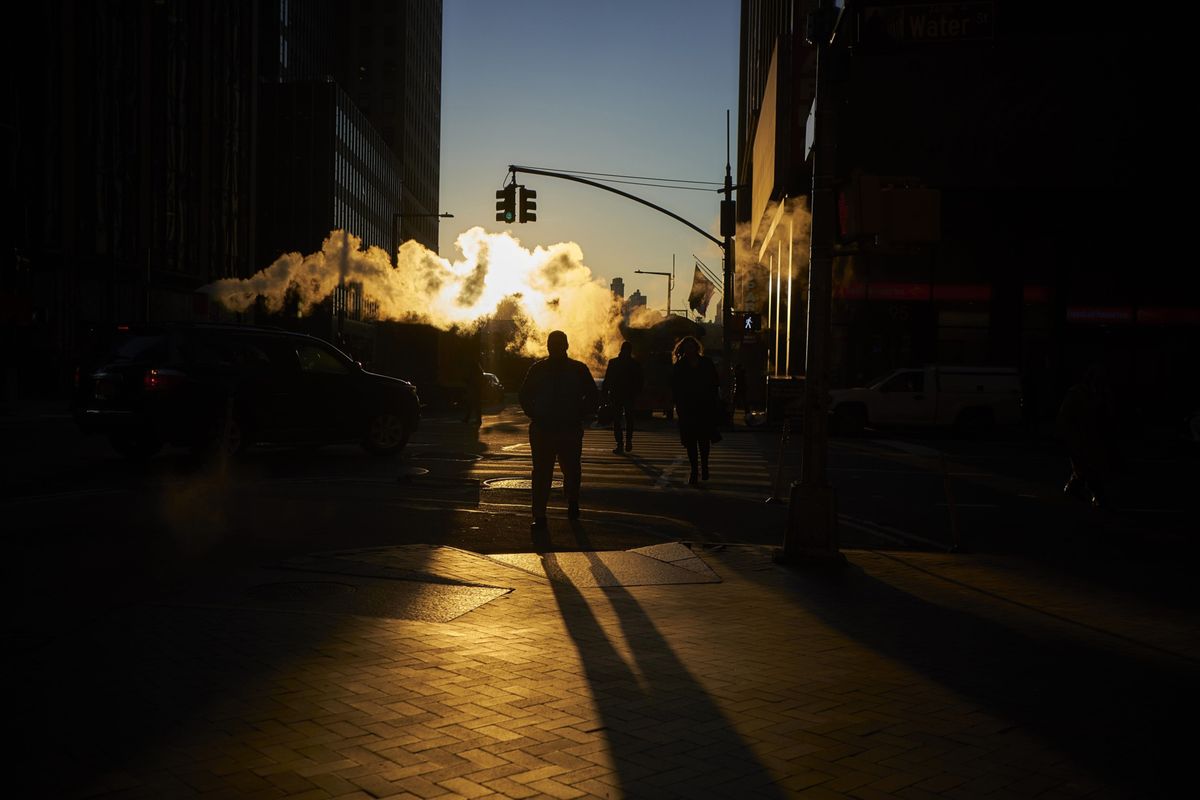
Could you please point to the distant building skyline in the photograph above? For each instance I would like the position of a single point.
(636, 300)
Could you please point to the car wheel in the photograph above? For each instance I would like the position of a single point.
(135, 445)
(386, 434)
(223, 438)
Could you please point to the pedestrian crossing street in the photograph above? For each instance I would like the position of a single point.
(657, 461)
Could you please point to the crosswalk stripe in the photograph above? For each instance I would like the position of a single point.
(657, 460)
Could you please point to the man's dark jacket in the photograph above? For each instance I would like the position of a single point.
(623, 379)
(559, 393)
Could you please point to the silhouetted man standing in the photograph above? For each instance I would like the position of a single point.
(557, 395)
(622, 382)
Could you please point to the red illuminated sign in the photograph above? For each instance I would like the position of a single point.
(965, 292)
(898, 291)
(850, 290)
(1037, 294)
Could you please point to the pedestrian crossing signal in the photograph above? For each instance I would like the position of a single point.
(751, 322)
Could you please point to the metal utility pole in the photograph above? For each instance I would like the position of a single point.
(397, 216)
(670, 276)
(812, 514)
(728, 229)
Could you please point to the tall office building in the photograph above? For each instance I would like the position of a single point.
(128, 144)
(390, 63)
(381, 121)
(977, 165)
(324, 167)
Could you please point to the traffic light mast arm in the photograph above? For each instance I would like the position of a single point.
(531, 171)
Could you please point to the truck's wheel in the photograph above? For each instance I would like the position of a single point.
(849, 420)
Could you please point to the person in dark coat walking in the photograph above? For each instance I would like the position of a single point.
(622, 382)
(558, 394)
(694, 386)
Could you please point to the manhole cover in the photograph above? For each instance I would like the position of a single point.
(300, 590)
(517, 483)
(412, 472)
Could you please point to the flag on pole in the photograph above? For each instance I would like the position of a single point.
(702, 292)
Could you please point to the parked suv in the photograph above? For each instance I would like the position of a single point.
(226, 387)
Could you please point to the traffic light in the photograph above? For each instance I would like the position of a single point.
(528, 205)
(506, 204)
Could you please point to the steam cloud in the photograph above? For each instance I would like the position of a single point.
(751, 278)
(544, 289)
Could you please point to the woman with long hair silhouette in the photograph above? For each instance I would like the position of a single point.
(694, 386)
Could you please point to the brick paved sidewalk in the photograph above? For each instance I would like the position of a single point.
(906, 675)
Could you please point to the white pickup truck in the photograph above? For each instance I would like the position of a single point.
(971, 398)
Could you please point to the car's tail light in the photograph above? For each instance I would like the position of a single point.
(161, 380)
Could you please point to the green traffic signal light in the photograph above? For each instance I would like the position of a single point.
(506, 202)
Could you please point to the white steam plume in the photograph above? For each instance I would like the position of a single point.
(544, 289)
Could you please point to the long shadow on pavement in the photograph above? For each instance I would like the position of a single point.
(666, 735)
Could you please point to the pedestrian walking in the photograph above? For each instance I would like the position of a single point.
(558, 394)
(473, 393)
(1086, 425)
(622, 382)
(695, 387)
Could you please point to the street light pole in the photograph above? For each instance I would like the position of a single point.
(670, 284)
(396, 226)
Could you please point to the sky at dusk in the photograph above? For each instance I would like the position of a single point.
(636, 88)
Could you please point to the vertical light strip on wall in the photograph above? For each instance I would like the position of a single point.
(778, 307)
(770, 299)
(787, 362)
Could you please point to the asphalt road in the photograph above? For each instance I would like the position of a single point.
(88, 530)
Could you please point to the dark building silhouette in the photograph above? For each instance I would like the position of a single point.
(147, 148)
(324, 167)
(389, 60)
(1000, 176)
(130, 141)
(385, 60)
